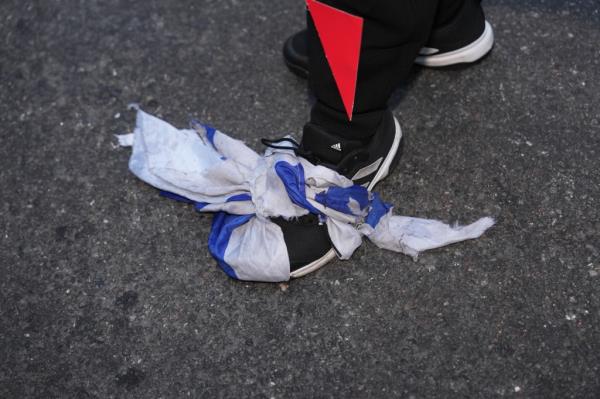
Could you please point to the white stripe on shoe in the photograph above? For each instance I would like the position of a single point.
(428, 51)
(367, 170)
(384, 170)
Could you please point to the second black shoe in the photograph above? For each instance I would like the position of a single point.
(465, 38)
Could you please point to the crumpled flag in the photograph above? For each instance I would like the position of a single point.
(217, 173)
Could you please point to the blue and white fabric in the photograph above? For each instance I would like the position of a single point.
(216, 173)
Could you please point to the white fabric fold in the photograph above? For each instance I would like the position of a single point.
(414, 235)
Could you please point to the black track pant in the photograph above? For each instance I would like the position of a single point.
(393, 33)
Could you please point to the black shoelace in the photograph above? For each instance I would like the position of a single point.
(295, 146)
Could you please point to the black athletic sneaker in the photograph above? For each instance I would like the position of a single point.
(308, 243)
(364, 163)
(466, 38)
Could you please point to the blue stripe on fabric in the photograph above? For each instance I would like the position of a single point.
(378, 210)
(223, 226)
(200, 205)
(338, 198)
(176, 197)
(197, 205)
(210, 133)
(292, 177)
(239, 197)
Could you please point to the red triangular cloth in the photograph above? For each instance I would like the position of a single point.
(341, 36)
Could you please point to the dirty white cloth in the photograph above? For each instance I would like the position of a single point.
(217, 173)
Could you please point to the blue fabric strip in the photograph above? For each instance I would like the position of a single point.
(176, 197)
(210, 133)
(239, 197)
(197, 205)
(222, 227)
(292, 177)
(378, 210)
(338, 198)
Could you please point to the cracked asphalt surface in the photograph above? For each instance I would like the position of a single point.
(108, 290)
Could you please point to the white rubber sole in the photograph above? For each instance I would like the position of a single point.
(467, 54)
(384, 169)
(381, 174)
(316, 265)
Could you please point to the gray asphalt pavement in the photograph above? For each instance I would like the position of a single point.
(108, 290)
